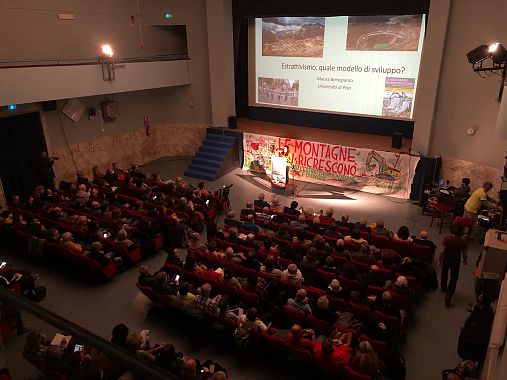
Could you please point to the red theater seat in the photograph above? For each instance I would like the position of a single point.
(293, 315)
(400, 246)
(421, 252)
(352, 246)
(323, 278)
(361, 312)
(318, 325)
(379, 241)
(250, 299)
(300, 355)
(350, 374)
(379, 346)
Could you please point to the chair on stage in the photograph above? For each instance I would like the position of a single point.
(440, 211)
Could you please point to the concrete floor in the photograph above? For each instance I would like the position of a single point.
(433, 329)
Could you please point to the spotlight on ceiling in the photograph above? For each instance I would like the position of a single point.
(107, 50)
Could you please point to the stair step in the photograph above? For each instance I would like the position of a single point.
(203, 168)
(194, 174)
(214, 150)
(222, 138)
(209, 156)
(216, 145)
(203, 161)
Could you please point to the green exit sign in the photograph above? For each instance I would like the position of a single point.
(168, 15)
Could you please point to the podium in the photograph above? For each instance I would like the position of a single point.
(279, 172)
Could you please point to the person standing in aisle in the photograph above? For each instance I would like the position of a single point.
(455, 246)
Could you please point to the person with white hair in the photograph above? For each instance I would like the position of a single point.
(260, 202)
(322, 310)
(249, 209)
(279, 216)
(82, 192)
(104, 259)
(339, 250)
(71, 246)
(293, 275)
(203, 301)
(384, 304)
(300, 302)
(230, 220)
(364, 254)
(374, 278)
(424, 241)
(380, 229)
(300, 222)
(122, 239)
(194, 241)
(335, 289)
(316, 227)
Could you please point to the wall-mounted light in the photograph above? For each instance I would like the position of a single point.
(498, 56)
(106, 58)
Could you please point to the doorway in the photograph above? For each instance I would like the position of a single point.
(21, 142)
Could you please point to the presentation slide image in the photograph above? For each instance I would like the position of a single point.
(398, 97)
(278, 91)
(384, 33)
(293, 36)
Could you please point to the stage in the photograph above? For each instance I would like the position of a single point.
(357, 140)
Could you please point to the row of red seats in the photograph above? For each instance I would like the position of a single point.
(404, 248)
(106, 223)
(292, 316)
(251, 299)
(321, 278)
(79, 260)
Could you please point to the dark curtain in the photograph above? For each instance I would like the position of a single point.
(21, 142)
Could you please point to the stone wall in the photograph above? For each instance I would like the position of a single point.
(166, 140)
(454, 169)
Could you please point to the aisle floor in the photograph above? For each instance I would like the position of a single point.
(432, 333)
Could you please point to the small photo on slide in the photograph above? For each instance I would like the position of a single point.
(278, 91)
(384, 33)
(293, 36)
(398, 97)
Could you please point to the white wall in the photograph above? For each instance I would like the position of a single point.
(464, 99)
(31, 31)
(427, 85)
(62, 82)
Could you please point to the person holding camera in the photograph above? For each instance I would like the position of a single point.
(45, 170)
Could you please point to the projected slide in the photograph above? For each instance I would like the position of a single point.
(365, 65)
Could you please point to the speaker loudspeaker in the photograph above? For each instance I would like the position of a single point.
(397, 140)
(49, 105)
(232, 122)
